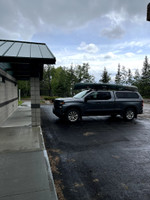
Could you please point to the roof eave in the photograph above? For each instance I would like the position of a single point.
(28, 60)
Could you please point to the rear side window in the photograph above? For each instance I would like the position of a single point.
(127, 95)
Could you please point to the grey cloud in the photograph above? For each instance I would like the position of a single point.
(113, 33)
(109, 55)
(28, 17)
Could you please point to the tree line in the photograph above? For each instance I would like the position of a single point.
(60, 81)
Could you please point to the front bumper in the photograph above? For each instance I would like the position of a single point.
(58, 112)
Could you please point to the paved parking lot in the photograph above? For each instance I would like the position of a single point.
(99, 158)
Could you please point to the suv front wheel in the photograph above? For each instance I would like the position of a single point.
(129, 114)
(73, 115)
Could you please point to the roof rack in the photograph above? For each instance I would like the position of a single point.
(104, 86)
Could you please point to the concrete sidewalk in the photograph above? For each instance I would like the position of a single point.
(24, 166)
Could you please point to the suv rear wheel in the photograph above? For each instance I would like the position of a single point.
(129, 114)
(73, 115)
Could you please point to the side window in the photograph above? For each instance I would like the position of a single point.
(92, 96)
(103, 96)
(99, 96)
(128, 95)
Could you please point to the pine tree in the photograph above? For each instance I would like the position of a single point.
(124, 75)
(118, 76)
(136, 76)
(82, 73)
(130, 77)
(146, 72)
(105, 76)
(145, 79)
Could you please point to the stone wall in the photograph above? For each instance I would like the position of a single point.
(8, 95)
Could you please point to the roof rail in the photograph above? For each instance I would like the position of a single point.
(104, 86)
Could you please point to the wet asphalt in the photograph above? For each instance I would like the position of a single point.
(98, 158)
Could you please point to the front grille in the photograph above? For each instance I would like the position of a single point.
(56, 103)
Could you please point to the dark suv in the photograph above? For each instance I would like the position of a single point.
(90, 102)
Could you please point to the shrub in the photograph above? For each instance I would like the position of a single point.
(50, 98)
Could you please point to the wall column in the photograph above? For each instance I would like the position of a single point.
(35, 101)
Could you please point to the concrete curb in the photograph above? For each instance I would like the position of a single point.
(50, 176)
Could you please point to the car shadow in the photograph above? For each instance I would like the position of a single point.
(95, 121)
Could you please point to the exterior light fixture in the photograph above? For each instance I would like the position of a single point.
(2, 79)
(148, 12)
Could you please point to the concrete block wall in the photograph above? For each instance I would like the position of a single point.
(8, 95)
(35, 101)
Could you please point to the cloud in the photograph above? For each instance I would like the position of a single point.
(89, 48)
(26, 18)
(113, 33)
(139, 51)
(109, 55)
(129, 54)
(115, 30)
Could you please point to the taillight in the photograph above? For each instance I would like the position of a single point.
(142, 103)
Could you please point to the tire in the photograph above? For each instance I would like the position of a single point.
(73, 115)
(129, 114)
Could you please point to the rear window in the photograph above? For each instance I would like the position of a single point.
(127, 95)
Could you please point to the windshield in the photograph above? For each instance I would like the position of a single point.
(81, 94)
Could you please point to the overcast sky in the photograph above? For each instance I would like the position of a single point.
(100, 32)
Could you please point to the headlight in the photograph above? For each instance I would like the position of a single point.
(62, 103)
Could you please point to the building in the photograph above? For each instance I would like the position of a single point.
(21, 60)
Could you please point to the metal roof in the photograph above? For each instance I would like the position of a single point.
(24, 59)
(25, 52)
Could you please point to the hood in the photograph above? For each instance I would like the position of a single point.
(68, 99)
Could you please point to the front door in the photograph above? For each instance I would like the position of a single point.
(99, 102)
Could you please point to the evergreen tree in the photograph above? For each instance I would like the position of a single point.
(146, 72)
(145, 79)
(82, 73)
(124, 75)
(136, 76)
(71, 79)
(118, 76)
(130, 77)
(105, 76)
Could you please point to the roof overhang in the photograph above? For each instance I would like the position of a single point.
(25, 58)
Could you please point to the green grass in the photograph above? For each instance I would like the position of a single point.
(19, 103)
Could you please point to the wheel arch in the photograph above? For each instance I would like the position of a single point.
(69, 110)
(131, 107)
(73, 107)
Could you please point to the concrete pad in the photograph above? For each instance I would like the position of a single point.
(41, 195)
(21, 117)
(20, 139)
(26, 103)
(23, 173)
